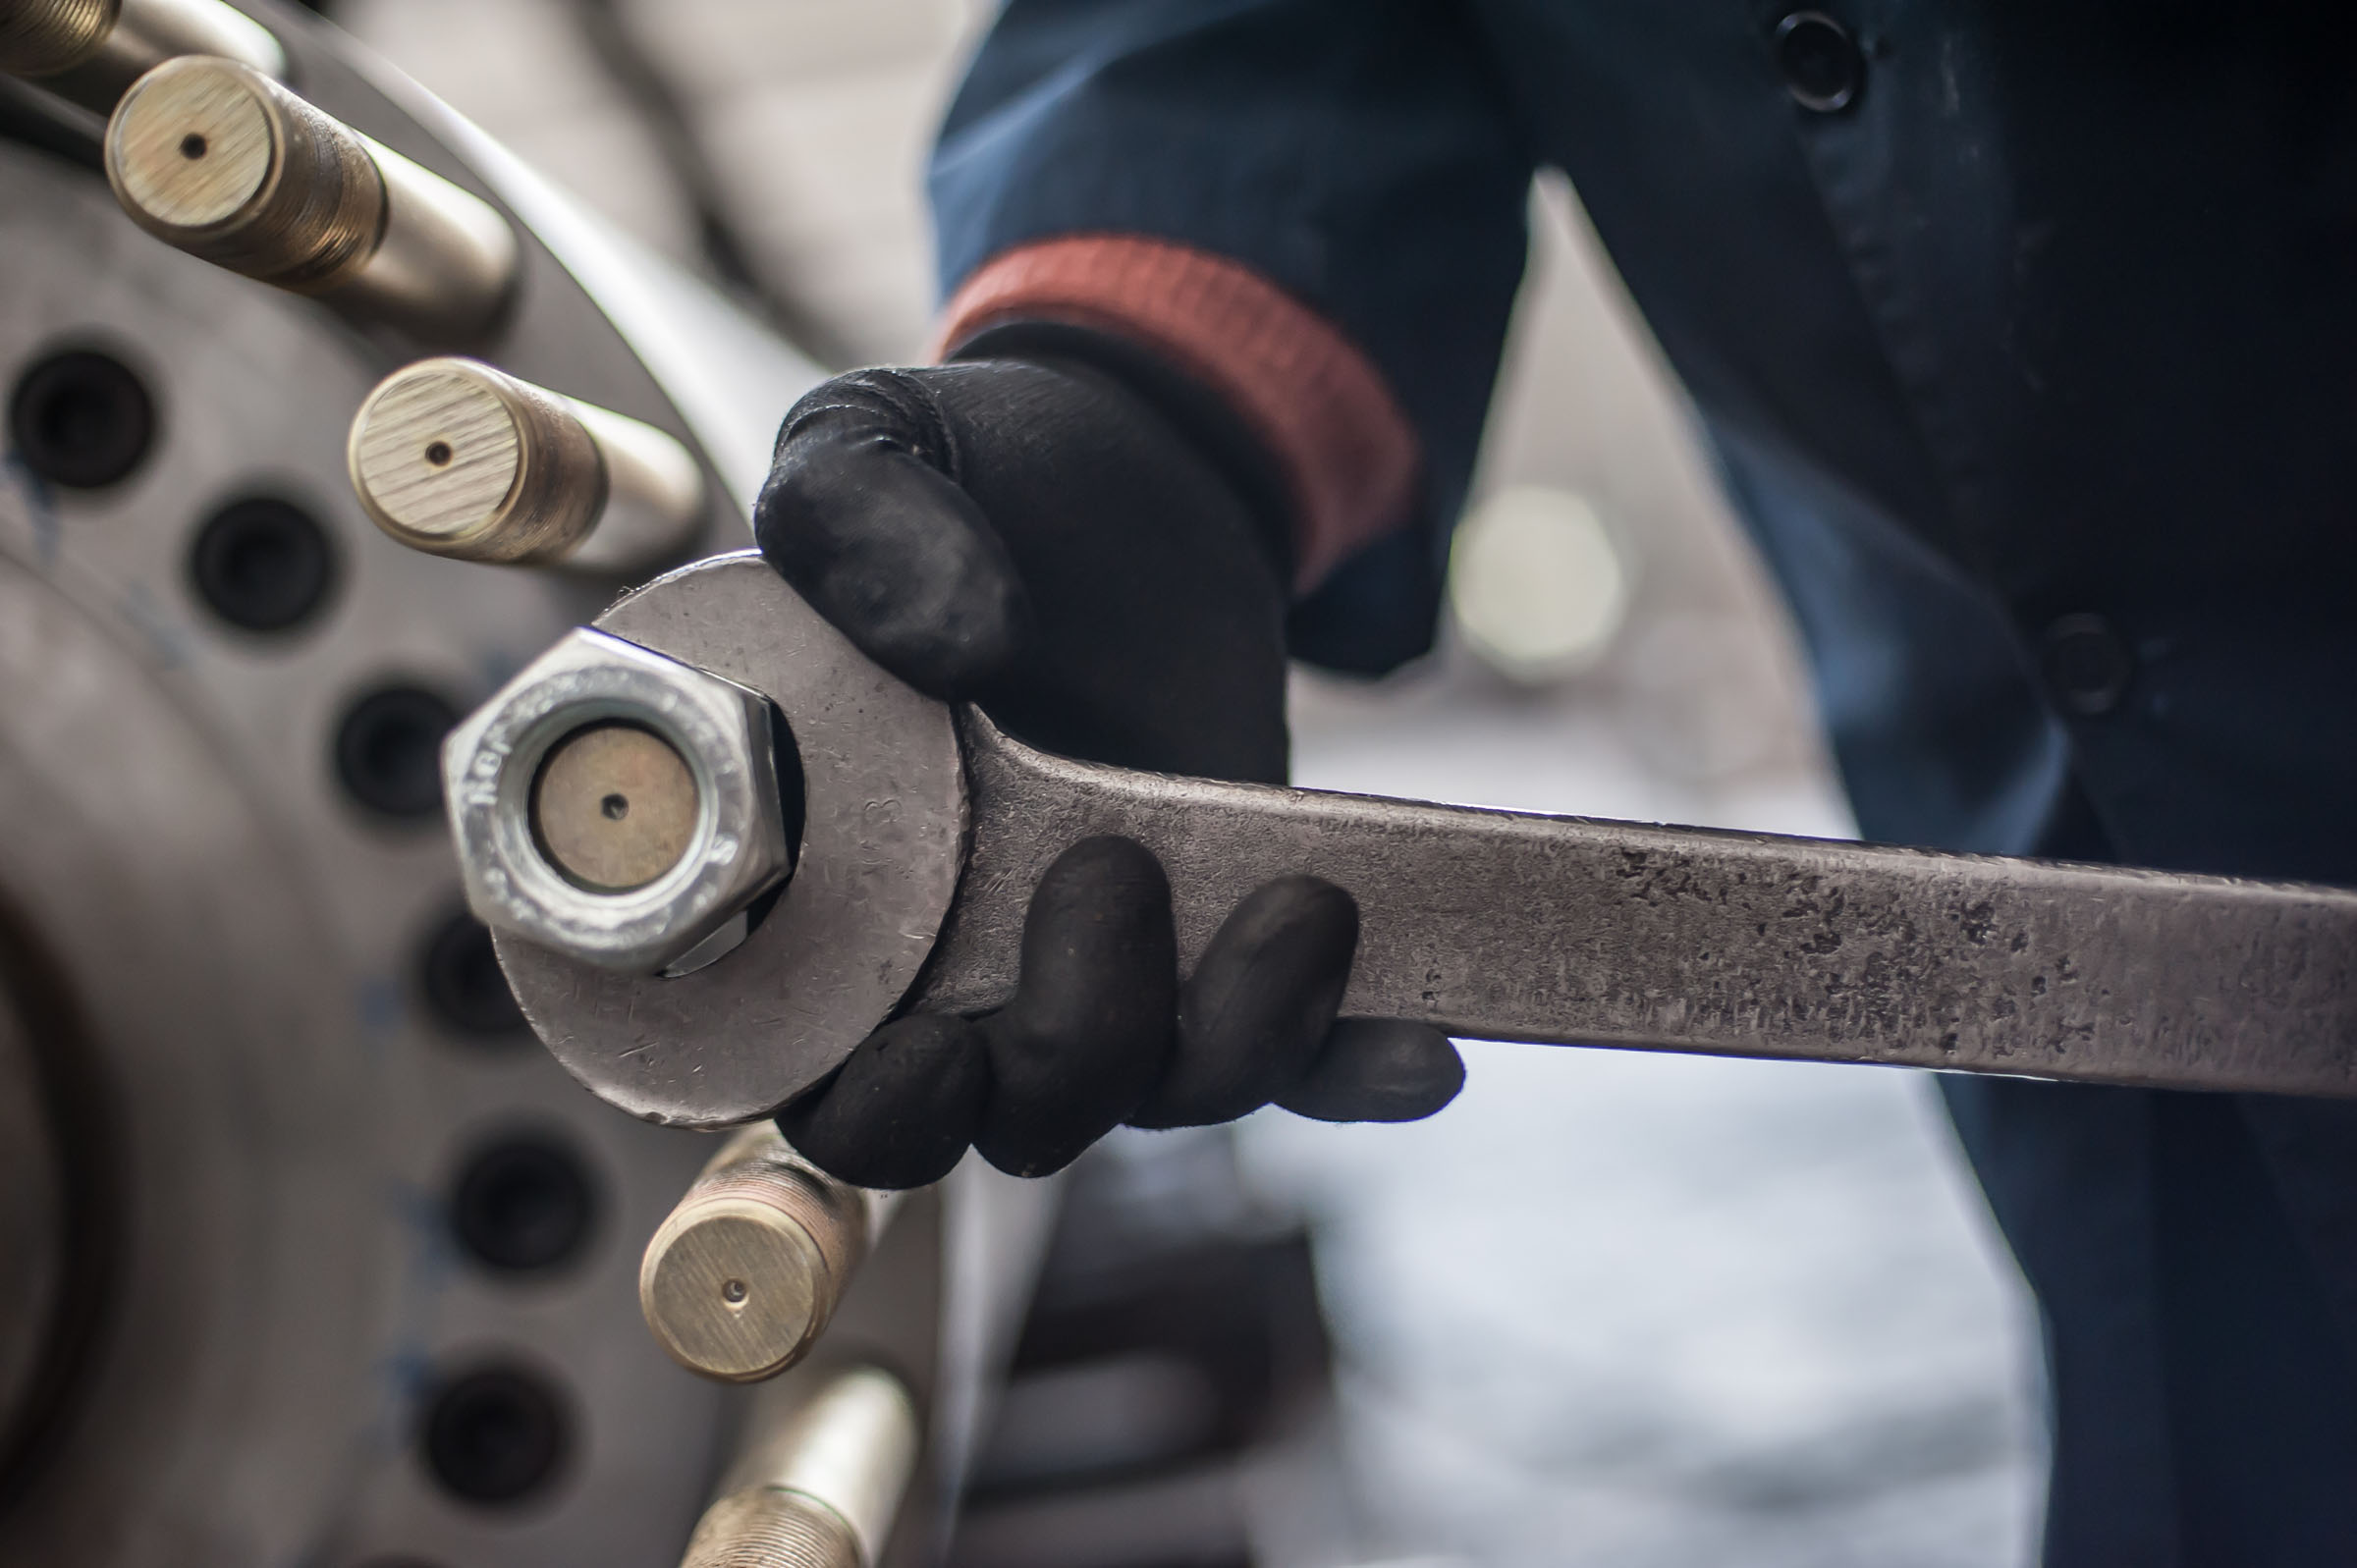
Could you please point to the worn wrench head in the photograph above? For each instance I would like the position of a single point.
(883, 831)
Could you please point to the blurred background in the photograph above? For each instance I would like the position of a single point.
(1605, 1309)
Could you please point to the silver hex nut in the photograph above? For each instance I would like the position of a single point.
(616, 805)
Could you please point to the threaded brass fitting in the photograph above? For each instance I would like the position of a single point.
(820, 1489)
(218, 160)
(763, 1527)
(456, 459)
(743, 1276)
(91, 50)
(42, 40)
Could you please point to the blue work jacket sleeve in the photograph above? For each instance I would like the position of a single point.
(1358, 153)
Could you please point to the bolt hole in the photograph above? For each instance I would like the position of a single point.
(438, 453)
(463, 985)
(81, 419)
(495, 1437)
(192, 146)
(389, 751)
(615, 807)
(733, 1292)
(263, 564)
(524, 1205)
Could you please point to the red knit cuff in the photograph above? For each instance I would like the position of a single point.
(1347, 453)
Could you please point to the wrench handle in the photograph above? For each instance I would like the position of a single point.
(1561, 929)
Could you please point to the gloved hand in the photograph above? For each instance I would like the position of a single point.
(1086, 546)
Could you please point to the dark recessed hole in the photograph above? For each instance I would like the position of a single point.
(389, 750)
(81, 419)
(263, 564)
(1821, 64)
(495, 1436)
(437, 453)
(192, 146)
(523, 1204)
(464, 988)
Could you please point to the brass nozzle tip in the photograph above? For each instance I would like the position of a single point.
(745, 1274)
(456, 459)
(222, 162)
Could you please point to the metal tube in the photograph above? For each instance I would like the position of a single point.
(819, 1488)
(454, 458)
(740, 1280)
(215, 158)
(90, 51)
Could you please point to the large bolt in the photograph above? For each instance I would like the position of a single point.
(217, 159)
(456, 459)
(616, 805)
(91, 50)
(819, 1488)
(744, 1276)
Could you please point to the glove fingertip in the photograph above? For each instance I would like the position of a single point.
(1254, 1015)
(859, 516)
(1089, 1030)
(903, 1108)
(1378, 1069)
(1018, 1157)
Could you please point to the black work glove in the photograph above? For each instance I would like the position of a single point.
(1086, 546)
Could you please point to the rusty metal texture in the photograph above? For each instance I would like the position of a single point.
(1561, 930)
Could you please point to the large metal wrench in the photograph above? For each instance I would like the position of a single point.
(924, 832)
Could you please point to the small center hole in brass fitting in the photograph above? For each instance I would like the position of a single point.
(438, 453)
(615, 807)
(733, 1292)
(192, 146)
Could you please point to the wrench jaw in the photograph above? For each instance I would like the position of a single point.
(880, 853)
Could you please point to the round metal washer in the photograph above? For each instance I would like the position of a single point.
(882, 845)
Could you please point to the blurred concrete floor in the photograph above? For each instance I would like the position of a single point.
(1606, 1309)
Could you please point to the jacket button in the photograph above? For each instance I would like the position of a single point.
(1822, 66)
(2086, 665)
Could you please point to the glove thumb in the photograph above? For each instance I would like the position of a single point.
(862, 515)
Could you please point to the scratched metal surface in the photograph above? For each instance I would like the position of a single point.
(1506, 926)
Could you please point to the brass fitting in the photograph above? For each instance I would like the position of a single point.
(743, 1276)
(214, 157)
(456, 459)
(821, 1490)
(89, 51)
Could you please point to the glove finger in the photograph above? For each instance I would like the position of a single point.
(1254, 1014)
(901, 1108)
(1089, 1028)
(862, 515)
(1378, 1069)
